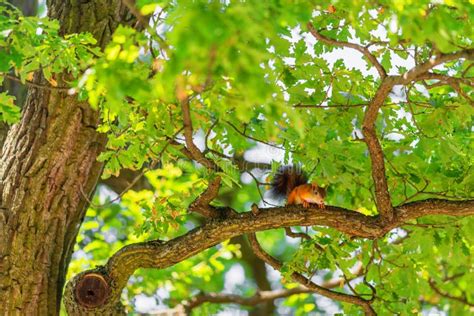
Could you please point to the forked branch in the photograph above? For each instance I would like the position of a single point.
(364, 50)
(298, 277)
(261, 296)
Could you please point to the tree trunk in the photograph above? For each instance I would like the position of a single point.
(47, 169)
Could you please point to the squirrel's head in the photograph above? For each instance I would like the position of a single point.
(318, 191)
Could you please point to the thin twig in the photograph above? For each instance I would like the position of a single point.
(438, 291)
(255, 139)
(293, 234)
(39, 86)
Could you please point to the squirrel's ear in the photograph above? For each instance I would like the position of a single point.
(322, 191)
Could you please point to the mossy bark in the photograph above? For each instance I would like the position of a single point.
(48, 168)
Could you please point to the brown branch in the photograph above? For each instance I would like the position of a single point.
(196, 154)
(298, 277)
(241, 163)
(130, 4)
(70, 90)
(423, 68)
(258, 184)
(438, 291)
(464, 73)
(364, 50)
(258, 298)
(259, 273)
(348, 106)
(160, 255)
(382, 196)
(304, 236)
(208, 134)
(262, 296)
(253, 138)
(293, 234)
(446, 79)
(454, 82)
(201, 204)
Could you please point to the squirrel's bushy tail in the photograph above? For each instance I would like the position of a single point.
(286, 179)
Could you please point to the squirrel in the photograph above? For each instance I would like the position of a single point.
(291, 182)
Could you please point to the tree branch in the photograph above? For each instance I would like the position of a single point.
(70, 90)
(364, 50)
(262, 296)
(277, 265)
(419, 72)
(201, 204)
(454, 82)
(421, 69)
(258, 298)
(446, 79)
(293, 234)
(382, 196)
(253, 138)
(130, 4)
(438, 291)
(160, 255)
(196, 154)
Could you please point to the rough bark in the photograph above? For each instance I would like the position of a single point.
(47, 168)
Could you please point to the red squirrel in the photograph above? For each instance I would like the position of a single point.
(292, 183)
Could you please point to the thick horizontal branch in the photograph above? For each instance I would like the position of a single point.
(160, 255)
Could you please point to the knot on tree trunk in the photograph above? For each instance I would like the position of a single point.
(92, 290)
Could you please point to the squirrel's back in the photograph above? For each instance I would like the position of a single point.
(286, 179)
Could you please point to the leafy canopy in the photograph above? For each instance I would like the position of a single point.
(254, 75)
